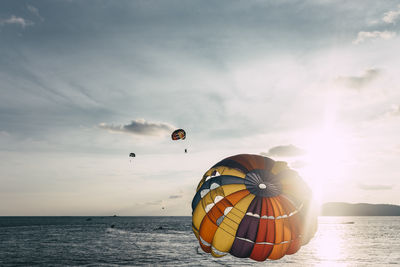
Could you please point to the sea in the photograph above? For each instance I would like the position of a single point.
(169, 241)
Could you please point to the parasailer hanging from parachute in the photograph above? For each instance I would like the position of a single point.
(179, 134)
(251, 206)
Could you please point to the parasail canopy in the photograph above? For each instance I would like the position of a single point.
(251, 206)
(178, 134)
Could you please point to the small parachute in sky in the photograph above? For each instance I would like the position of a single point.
(251, 206)
(131, 155)
(178, 134)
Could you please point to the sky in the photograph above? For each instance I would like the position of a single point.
(84, 83)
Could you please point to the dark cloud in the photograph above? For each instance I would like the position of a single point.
(374, 186)
(140, 127)
(358, 82)
(285, 151)
(175, 196)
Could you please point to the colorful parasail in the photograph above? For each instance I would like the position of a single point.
(251, 206)
(178, 134)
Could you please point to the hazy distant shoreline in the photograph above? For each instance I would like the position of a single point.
(359, 209)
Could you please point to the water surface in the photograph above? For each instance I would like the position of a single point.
(136, 241)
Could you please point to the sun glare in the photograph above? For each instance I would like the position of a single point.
(326, 157)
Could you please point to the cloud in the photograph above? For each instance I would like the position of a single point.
(35, 11)
(16, 20)
(4, 133)
(298, 164)
(358, 82)
(374, 186)
(154, 202)
(391, 16)
(285, 151)
(394, 111)
(140, 127)
(362, 36)
(175, 196)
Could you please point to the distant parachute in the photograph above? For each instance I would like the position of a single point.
(131, 155)
(251, 206)
(178, 134)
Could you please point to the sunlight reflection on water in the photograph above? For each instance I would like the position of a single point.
(329, 245)
(354, 241)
